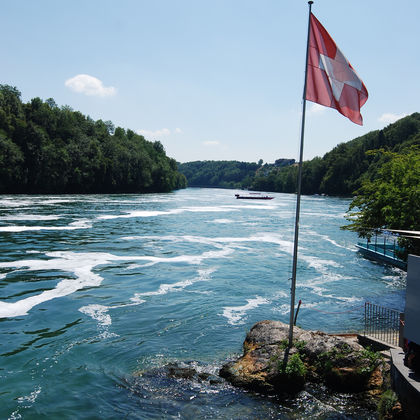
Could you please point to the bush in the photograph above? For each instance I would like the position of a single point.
(386, 403)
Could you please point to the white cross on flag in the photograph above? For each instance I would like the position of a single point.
(331, 80)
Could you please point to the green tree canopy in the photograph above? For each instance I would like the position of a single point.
(47, 149)
(391, 200)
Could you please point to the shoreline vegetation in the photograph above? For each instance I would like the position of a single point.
(339, 172)
(47, 149)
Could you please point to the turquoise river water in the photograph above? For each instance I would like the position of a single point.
(98, 292)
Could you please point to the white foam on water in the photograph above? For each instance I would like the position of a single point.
(234, 314)
(19, 202)
(15, 415)
(397, 280)
(222, 221)
(97, 312)
(203, 275)
(29, 217)
(325, 238)
(14, 202)
(31, 397)
(280, 294)
(283, 309)
(328, 215)
(205, 209)
(133, 214)
(100, 314)
(78, 224)
(79, 264)
(187, 259)
(322, 292)
(325, 278)
(260, 206)
(285, 246)
(319, 264)
(148, 213)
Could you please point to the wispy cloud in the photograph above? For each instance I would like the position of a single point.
(211, 143)
(316, 109)
(390, 118)
(89, 85)
(161, 132)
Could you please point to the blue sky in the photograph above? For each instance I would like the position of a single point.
(211, 80)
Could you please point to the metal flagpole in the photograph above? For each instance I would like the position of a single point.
(299, 184)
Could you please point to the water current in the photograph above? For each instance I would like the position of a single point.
(98, 292)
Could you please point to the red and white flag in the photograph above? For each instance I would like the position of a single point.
(331, 80)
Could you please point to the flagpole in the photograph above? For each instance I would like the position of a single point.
(299, 187)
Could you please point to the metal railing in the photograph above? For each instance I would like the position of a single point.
(383, 324)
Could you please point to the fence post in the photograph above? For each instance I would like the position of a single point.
(365, 332)
(401, 331)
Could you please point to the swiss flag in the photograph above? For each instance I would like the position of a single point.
(331, 80)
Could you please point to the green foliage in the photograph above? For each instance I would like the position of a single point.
(300, 345)
(224, 174)
(367, 360)
(294, 368)
(47, 149)
(284, 344)
(372, 360)
(391, 199)
(342, 170)
(386, 403)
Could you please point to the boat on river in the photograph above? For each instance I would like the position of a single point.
(254, 196)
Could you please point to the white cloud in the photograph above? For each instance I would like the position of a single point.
(89, 85)
(316, 109)
(389, 118)
(178, 130)
(211, 143)
(162, 132)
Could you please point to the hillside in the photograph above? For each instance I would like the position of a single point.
(48, 149)
(227, 173)
(338, 172)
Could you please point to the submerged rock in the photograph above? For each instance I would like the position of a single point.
(267, 365)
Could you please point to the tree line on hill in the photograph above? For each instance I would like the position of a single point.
(339, 172)
(380, 169)
(228, 173)
(49, 149)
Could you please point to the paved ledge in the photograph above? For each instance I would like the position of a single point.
(406, 384)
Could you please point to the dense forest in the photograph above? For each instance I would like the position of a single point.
(342, 170)
(339, 172)
(228, 173)
(220, 173)
(49, 149)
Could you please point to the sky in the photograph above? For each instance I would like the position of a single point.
(211, 80)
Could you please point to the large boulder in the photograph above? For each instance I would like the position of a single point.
(268, 365)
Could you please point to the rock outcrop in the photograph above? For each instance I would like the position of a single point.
(268, 366)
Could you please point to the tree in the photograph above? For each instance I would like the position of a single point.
(49, 149)
(391, 200)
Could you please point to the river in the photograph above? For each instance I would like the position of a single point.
(98, 292)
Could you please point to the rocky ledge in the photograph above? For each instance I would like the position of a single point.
(268, 366)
